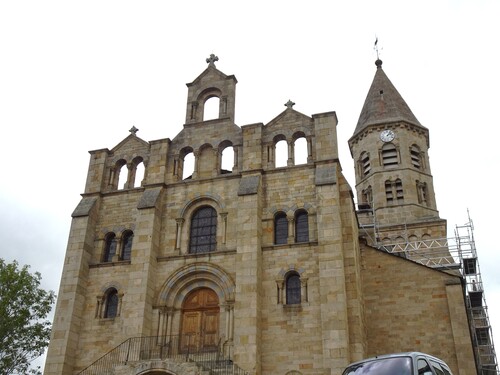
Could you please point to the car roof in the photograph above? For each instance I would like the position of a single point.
(396, 355)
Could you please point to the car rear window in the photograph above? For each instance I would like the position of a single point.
(382, 366)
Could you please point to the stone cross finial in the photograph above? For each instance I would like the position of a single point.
(289, 104)
(212, 59)
(133, 130)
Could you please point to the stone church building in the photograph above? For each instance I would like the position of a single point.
(259, 268)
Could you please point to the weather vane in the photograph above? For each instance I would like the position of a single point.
(375, 47)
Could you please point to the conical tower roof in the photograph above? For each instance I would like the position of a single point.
(384, 104)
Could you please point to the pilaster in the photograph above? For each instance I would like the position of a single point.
(66, 328)
(247, 311)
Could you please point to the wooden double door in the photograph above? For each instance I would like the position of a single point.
(200, 321)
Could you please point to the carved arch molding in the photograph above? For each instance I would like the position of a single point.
(161, 368)
(187, 281)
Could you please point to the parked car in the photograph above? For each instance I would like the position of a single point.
(410, 363)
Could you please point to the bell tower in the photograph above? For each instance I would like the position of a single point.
(394, 184)
(212, 83)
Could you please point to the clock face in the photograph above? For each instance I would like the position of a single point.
(387, 135)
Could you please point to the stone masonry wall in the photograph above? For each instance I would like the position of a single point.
(407, 308)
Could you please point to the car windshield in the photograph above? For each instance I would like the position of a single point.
(382, 366)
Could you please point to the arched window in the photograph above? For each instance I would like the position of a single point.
(203, 233)
(121, 174)
(293, 288)
(394, 191)
(415, 157)
(211, 108)
(127, 244)
(364, 164)
(280, 228)
(188, 166)
(300, 151)
(389, 155)
(301, 226)
(227, 160)
(389, 196)
(111, 303)
(109, 247)
(422, 193)
(138, 173)
(366, 198)
(399, 190)
(281, 153)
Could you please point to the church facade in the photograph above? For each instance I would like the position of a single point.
(257, 268)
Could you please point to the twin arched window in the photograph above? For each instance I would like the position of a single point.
(297, 153)
(188, 166)
(203, 232)
(394, 191)
(281, 227)
(127, 176)
(111, 246)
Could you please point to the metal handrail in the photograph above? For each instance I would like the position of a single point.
(179, 348)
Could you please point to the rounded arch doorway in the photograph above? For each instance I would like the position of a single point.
(200, 321)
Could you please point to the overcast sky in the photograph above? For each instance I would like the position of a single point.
(77, 75)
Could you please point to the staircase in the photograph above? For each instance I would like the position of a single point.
(177, 349)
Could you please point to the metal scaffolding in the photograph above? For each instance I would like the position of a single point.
(477, 308)
(456, 255)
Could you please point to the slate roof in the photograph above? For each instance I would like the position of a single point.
(384, 104)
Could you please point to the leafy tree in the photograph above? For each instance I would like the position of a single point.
(24, 329)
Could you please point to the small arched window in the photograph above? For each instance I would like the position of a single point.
(366, 197)
(281, 153)
(121, 174)
(415, 157)
(301, 226)
(127, 244)
(364, 164)
(399, 190)
(293, 288)
(111, 303)
(203, 233)
(109, 247)
(280, 228)
(300, 151)
(188, 166)
(211, 108)
(389, 196)
(422, 193)
(137, 172)
(227, 160)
